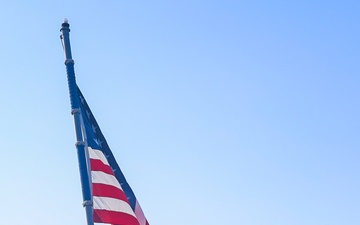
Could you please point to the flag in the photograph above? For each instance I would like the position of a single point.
(114, 201)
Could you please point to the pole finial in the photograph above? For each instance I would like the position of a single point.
(65, 25)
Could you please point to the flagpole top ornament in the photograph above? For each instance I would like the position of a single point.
(65, 25)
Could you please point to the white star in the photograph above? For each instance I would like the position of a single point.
(88, 114)
(113, 170)
(93, 128)
(82, 99)
(98, 142)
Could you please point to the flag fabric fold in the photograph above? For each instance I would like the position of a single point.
(114, 201)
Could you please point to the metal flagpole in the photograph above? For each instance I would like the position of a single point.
(75, 111)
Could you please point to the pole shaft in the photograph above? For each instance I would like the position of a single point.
(75, 110)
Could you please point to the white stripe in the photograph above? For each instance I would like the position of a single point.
(99, 177)
(112, 204)
(140, 214)
(97, 154)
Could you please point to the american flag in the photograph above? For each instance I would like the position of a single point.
(114, 201)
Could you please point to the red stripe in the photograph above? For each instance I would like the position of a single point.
(98, 165)
(103, 190)
(116, 218)
(147, 223)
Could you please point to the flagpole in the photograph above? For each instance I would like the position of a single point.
(75, 111)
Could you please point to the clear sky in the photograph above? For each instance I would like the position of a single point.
(218, 112)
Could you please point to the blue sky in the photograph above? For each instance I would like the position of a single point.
(219, 112)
